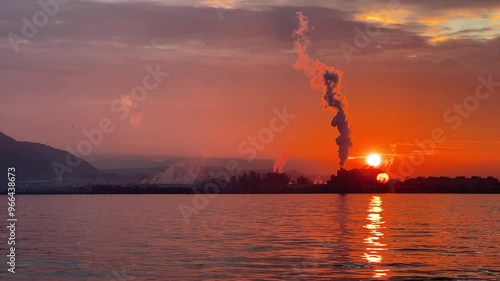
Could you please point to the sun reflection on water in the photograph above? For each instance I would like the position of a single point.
(374, 241)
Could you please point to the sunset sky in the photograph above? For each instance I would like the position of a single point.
(230, 63)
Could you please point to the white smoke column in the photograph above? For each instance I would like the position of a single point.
(327, 79)
(183, 172)
(279, 164)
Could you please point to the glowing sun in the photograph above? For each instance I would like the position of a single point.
(373, 160)
(382, 178)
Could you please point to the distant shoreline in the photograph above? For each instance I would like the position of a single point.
(355, 181)
(242, 193)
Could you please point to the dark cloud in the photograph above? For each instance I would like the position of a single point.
(441, 5)
(425, 7)
(83, 28)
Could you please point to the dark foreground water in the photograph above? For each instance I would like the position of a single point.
(257, 237)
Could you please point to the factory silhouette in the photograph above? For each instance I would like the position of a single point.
(362, 180)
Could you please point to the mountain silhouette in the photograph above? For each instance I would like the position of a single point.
(33, 161)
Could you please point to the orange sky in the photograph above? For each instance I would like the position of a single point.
(226, 76)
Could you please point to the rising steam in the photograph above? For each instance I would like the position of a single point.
(329, 80)
(182, 172)
(279, 164)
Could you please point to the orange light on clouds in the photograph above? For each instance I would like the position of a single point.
(226, 4)
(383, 17)
(439, 39)
(431, 21)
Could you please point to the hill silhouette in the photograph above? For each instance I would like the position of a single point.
(33, 161)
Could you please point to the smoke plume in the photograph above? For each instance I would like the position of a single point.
(279, 164)
(182, 172)
(329, 80)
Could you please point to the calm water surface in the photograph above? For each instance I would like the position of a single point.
(258, 237)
